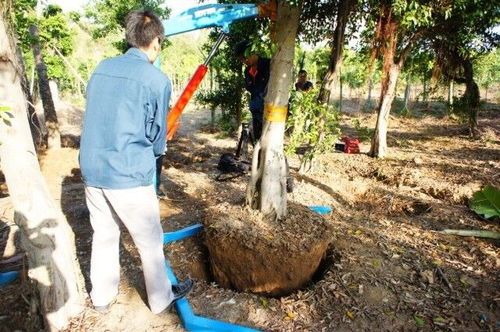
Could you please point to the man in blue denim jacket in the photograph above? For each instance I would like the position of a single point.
(123, 133)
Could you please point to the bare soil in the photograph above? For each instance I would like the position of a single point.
(387, 267)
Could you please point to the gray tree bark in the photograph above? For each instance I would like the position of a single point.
(345, 7)
(35, 128)
(407, 93)
(379, 139)
(450, 93)
(45, 234)
(266, 190)
(49, 110)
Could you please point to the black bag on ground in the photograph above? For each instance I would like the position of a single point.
(236, 163)
(228, 163)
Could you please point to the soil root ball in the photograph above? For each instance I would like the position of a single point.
(273, 257)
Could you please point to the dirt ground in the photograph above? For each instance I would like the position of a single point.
(387, 267)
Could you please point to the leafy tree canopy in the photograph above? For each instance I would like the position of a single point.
(108, 16)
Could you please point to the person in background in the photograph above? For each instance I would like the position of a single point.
(303, 84)
(123, 134)
(257, 73)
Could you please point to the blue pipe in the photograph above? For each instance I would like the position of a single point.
(321, 209)
(7, 277)
(181, 234)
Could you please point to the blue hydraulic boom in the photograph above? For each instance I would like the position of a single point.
(208, 16)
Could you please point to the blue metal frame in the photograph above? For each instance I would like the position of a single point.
(190, 321)
(212, 15)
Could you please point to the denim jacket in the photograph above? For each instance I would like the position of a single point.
(124, 126)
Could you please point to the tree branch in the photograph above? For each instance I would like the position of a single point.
(413, 40)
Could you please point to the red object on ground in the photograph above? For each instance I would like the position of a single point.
(175, 112)
(351, 145)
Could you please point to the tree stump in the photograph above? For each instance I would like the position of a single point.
(252, 253)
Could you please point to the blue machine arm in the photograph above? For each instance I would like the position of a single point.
(213, 15)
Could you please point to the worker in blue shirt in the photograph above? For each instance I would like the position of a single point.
(257, 72)
(123, 133)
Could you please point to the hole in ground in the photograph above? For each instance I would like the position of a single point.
(331, 258)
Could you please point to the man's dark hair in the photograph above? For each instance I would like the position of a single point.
(142, 26)
(302, 71)
(240, 48)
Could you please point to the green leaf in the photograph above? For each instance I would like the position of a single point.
(419, 321)
(486, 202)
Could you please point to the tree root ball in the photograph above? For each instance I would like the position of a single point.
(252, 253)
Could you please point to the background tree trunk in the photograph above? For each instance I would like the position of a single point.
(424, 93)
(407, 93)
(450, 93)
(45, 234)
(267, 188)
(390, 74)
(368, 103)
(35, 128)
(379, 139)
(471, 96)
(332, 76)
(54, 136)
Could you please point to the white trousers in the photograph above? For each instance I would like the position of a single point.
(138, 209)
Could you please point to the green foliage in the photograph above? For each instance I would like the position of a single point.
(5, 115)
(354, 69)
(54, 32)
(487, 68)
(311, 124)
(486, 202)
(108, 16)
(363, 132)
(182, 56)
(320, 59)
(317, 21)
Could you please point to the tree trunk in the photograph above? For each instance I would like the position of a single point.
(472, 97)
(267, 188)
(45, 234)
(331, 77)
(54, 136)
(340, 89)
(450, 94)
(368, 104)
(379, 140)
(424, 93)
(35, 128)
(407, 93)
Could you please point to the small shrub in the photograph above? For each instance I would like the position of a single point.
(312, 125)
(364, 133)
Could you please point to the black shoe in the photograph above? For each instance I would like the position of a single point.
(182, 289)
(160, 194)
